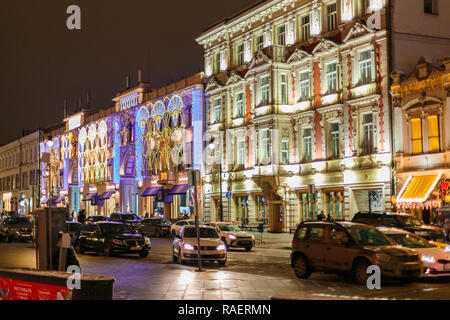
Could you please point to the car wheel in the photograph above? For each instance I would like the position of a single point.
(143, 254)
(107, 250)
(78, 248)
(301, 267)
(222, 262)
(248, 248)
(360, 271)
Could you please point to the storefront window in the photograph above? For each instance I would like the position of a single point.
(308, 208)
(335, 204)
(242, 209)
(261, 209)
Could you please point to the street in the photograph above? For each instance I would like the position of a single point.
(261, 274)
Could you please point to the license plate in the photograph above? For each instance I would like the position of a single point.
(136, 248)
(447, 267)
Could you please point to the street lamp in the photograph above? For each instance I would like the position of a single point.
(212, 146)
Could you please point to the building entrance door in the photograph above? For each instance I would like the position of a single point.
(277, 217)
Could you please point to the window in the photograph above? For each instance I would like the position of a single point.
(242, 209)
(308, 206)
(334, 132)
(430, 6)
(365, 67)
(261, 208)
(335, 204)
(433, 133)
(365, 7)
(282, 35)
(240, 54)
(307, 145)
(316, 234)
(368, 133)
(284, 89)
(241, 154)
(265, 87)
(260, 42)
(332, 16)
(338, 236)
(284, 152)
(304, 85)
(217, 109)
(305, 28)
(32, 177)
(416, 135)
(240, 104)
(25, 179)
(267, 145)
(332, 77)
(217, 62)
(301, 234)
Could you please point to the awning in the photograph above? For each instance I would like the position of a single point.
(417, 189)
(151, 192)
(180, 189)
(106, 195)
(58, 200)
(90, 196)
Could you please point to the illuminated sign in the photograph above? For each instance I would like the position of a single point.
(75, 122)
(111, 187)
(129, 101)
(94, 189)
(183, 179)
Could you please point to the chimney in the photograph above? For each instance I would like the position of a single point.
(139, 76)
(127, 82)
(80, 107)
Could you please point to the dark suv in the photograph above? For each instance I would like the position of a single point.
(130, 219)
(16, 228)
(401, 221)
(346, 247)
(110, 238)
(156, 227)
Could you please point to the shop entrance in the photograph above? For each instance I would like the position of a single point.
(277, 217)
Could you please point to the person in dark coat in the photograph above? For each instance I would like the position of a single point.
(321, 216)
(82, 217)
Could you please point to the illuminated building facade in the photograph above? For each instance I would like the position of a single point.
(298, 98)
(421, 104)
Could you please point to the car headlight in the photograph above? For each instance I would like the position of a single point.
(188, 246)
(428, 259)
(447, 249)
(232, 237)
(147, 241)
(117, 242)
(221, 247)
(383, 258)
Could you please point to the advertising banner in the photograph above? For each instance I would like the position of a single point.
(23, 290)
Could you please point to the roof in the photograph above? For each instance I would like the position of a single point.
(392, 230)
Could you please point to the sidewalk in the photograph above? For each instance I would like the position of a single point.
(273, 240)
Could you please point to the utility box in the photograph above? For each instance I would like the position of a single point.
(50, 221)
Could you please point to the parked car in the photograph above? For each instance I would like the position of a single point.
(130, 219)
(233, 236)
(16, 228)
(74, 229)
(402, 221)
(175, 228)
(436, 261)
(94, 219)
(212, 247)
(112, 237)
(157, 227)
(346, 247)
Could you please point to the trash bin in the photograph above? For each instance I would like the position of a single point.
(261, 227)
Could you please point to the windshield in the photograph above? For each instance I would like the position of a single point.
(229, 227)
(204, 233)
(369, 237)
(116, 229)
(19, 221)
(409, 221)
(410, 240)
(193, 222)
(126, 217)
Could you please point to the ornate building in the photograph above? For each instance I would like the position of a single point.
(298, 99)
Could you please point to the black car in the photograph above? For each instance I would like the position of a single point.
(156, 227)
(130, 219)
(112, 237)
(401, 221)
(94, 219)
(16, 228)
(74, 229)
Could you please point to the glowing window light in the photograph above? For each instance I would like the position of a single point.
(197, 106)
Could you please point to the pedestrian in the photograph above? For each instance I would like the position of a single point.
(426, 216)
(321, 216)
(82, 217)
(329, 217)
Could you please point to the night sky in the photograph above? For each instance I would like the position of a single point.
(42, 62)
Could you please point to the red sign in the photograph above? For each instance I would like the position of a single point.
(24, 290)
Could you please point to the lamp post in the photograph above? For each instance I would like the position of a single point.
(212, 146)
(47, 157)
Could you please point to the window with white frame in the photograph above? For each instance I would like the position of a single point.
(260, 42)
(281, 32)
(241, 153)
(332, 77)
(306, 27)
(304, 85)
(332, 16)
(284, 89)
(267, 146)
(217, 109)
(239, 104)
(307, 145)
(365, 67)
(240, 54)
(367, 126)
(265, 89)
(334, 140)
(284, 152)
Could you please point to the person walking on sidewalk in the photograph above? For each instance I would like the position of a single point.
(321, 216)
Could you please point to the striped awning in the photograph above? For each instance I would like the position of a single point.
(151, 192)
(179, 189)
(90, 196)
(106, 195)
(417, 189)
